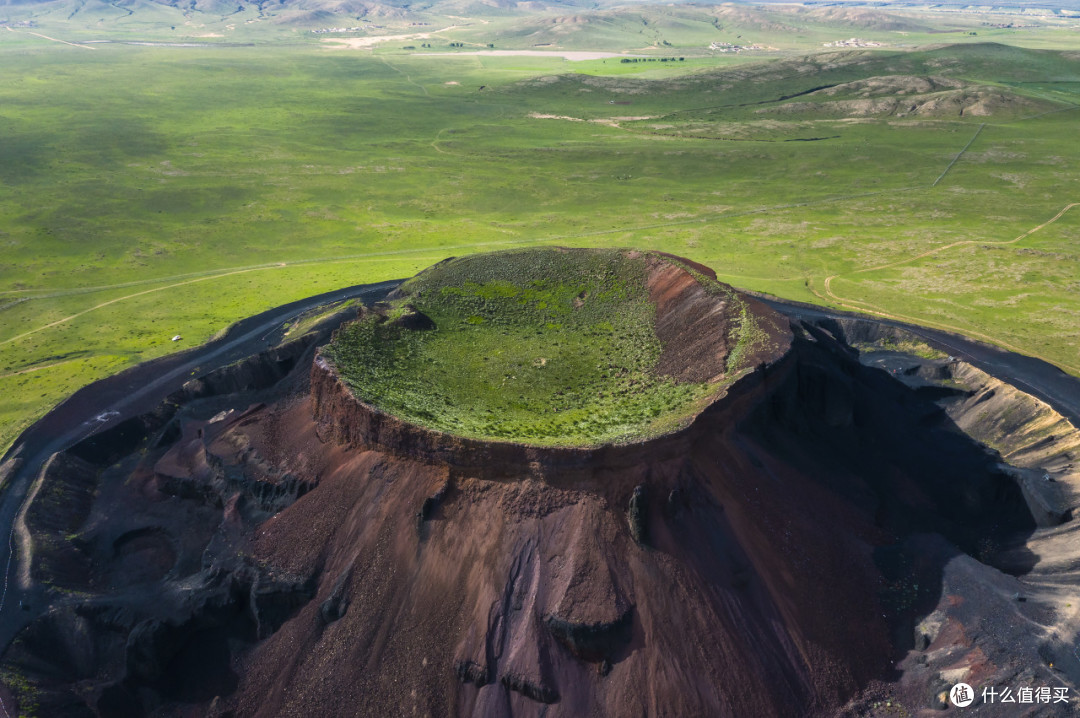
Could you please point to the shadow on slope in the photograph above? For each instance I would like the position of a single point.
(894, 453)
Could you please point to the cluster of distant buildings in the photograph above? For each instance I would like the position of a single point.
(728, 47)
(323, 30)
(853, 42)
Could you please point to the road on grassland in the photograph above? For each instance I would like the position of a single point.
(1028, 374)
(108, 402)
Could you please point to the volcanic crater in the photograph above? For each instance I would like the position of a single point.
(730, 514)
(499, 362)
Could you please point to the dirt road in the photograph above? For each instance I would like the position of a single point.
(1029, 374)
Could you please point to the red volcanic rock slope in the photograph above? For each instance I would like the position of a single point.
(517, 594)
(679, 577)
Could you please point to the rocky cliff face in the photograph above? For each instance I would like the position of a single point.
(820, 540)
(342, 418)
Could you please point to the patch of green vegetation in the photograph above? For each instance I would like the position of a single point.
(749, 338)
(25, 692)
(311, 319)
(904, 346)
(545, 346)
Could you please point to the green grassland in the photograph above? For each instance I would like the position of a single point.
(548, 347)
(153, 191)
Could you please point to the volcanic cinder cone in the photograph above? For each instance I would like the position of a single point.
(678, 575)
(800, 535)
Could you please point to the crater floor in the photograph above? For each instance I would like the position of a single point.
(552, 346)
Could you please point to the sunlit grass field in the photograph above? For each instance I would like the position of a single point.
(149, 191)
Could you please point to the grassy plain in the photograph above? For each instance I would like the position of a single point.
(153, 191)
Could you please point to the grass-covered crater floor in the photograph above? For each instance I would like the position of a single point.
(546, 346)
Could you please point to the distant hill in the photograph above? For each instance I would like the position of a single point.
(679, 25)
(915, 4)
(975, 62)
(625, 24)
(973, 80)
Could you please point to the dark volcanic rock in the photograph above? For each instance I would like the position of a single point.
(275, 599)
(151, 646)
(637, 515)
(527, 688)
(592, 641)
(469, 672)
(413, 319)
(336, 604)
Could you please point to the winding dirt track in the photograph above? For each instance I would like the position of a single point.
(76, 315)
(200, 277)
(65, 42)
(861, 306)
